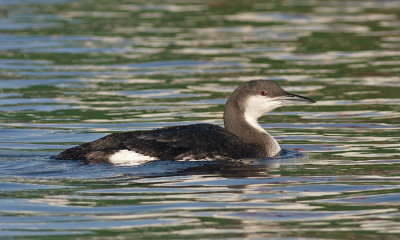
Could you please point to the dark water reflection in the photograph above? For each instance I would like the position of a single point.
(73, 71)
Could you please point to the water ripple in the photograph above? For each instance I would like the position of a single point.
(75, 71)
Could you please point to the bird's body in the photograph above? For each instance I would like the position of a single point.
(207, 141)
(241, 138)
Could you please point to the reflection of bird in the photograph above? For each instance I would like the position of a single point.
(242, 136)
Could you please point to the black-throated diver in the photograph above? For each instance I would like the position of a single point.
(242, 136)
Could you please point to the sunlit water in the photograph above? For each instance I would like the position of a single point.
(74, 71)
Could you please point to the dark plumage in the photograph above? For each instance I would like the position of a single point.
(166, 143)
(242, 136)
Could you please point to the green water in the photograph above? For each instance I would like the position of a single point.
(74, 71)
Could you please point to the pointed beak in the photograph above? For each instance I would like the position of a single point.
(293, 99)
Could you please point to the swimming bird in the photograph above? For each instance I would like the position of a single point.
(242, 137)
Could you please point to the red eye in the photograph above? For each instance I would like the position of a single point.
(263, 93)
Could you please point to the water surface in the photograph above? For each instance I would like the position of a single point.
(75, 70)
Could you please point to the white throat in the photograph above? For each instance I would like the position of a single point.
(256, 106)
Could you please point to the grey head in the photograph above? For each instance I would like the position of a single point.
(249, 102)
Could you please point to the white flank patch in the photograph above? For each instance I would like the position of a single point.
(129, 158)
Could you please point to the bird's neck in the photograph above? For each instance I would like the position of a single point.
(245, 125)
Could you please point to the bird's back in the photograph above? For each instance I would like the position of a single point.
(197, 141)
